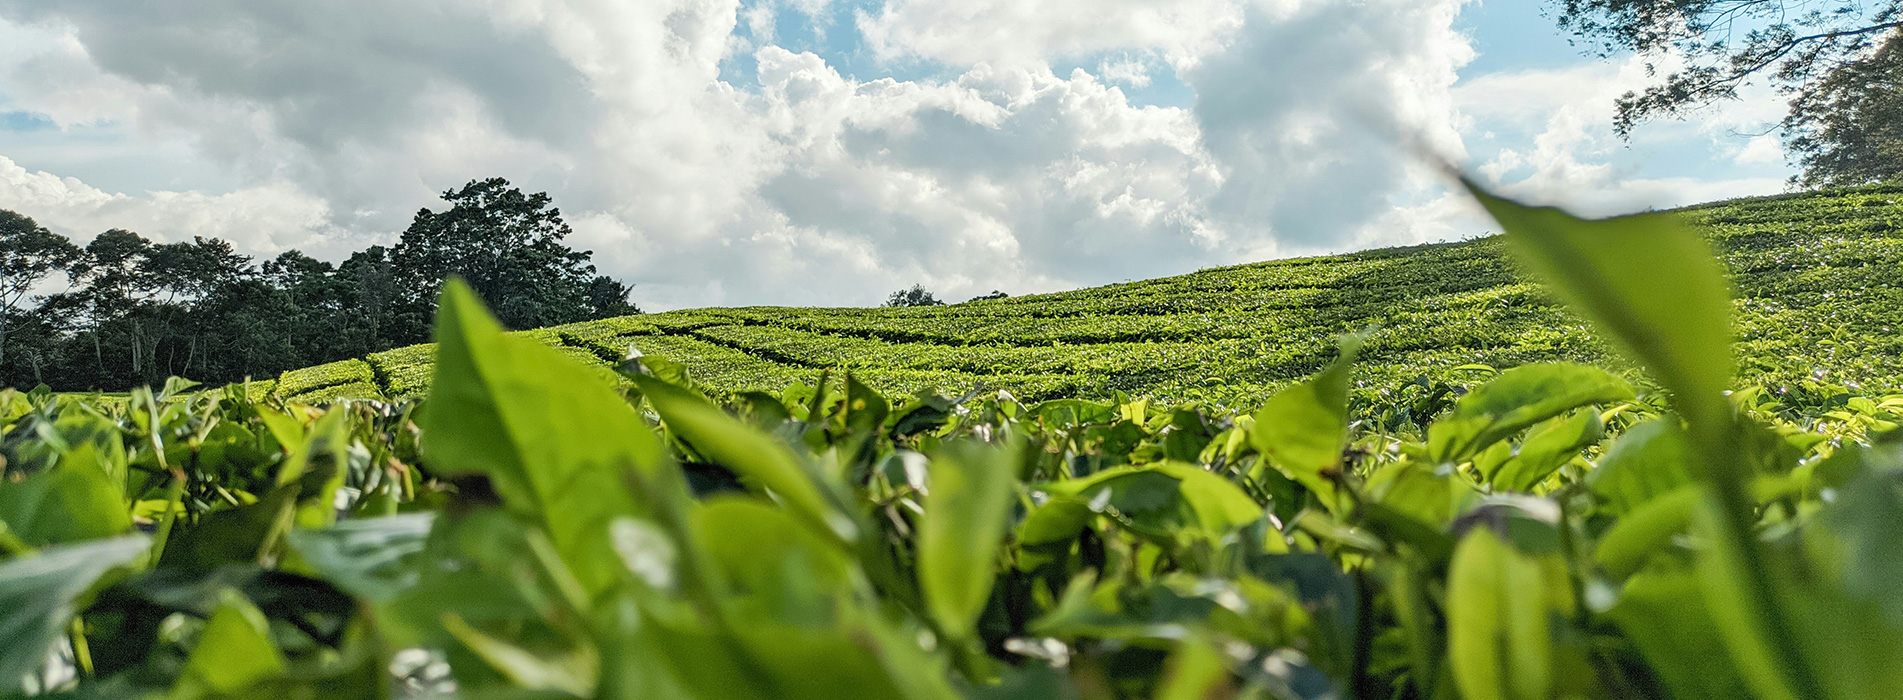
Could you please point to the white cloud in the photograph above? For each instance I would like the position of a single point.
(1307, 107)
(325, 125)
(265, 220)
(1128, 70)
(1575, 159)
(1014, 32)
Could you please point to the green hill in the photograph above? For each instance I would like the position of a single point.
(1819, 279)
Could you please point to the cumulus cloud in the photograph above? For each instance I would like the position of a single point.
(1566, 116)
(267, 219)
(1032, 31)
(325, 125)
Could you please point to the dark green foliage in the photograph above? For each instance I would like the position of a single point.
(1848, 129)
(1726, 44)
(916, 296)
(508, 246)
(536, 528)
(28, 254)
(136, 311)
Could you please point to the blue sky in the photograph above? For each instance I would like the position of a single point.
(720, 152)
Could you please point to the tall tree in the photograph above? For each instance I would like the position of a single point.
(1726, 44)
(508, 246)
(135, 311)
(1849, 129)
(28, 255)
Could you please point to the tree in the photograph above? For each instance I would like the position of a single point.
(1725, 44)
(1849, 129)
(994, 295)
(608, 298)
(135, 311)
(28, 255)
(916, 296)
(508, 246)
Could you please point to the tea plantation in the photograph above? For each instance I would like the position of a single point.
(544, 526)
(1819, 282)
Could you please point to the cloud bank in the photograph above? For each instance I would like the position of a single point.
(969, 162)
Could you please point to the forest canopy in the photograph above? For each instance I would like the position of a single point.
(134, 311)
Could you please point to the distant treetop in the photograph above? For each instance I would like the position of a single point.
(916, 296)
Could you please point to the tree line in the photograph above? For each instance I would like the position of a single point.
(134, 311)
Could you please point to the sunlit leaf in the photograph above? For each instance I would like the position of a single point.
(966, 511)
(756, 457)
(550, 435)
(1497, 632)
(68, 503)
(234, 651)
(1517, 399)
(1302, 429)
(1648, 281)
(1645, 462)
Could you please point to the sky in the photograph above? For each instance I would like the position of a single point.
(827, 152)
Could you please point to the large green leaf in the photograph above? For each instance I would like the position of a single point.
(1516, 399)
(1868, 519)
(552, 437)
(784, 571)
(68, 503)
(234, 652)
(1645, 462)
(37, 594)
(1665, 616)
(966, 511)
(1302, 429)
(1649, 282)
(1547, 448)
(1497, 631)
(1632, 539)
(373, 557)
(764, 462)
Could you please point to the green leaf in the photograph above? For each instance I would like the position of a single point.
(68, 503)
(1497, 632)
(1866, 518)
(574, 674)
(865, 409)
(790, 573)
(1547, 448)
(373, 558)
(1645, 462)
(1516, 399)
(1045, 536)
(1162, 500)
(1740, 616)
(1665, 616)
(1302, 429)
(1217, 504)
(764, 462)
(1631, 541)
(37, 595)
(234, 652)
(1196, 670)
(554, 439)
(1649, 282)
(966, 511)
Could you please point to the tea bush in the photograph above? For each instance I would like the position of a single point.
(537, 528)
